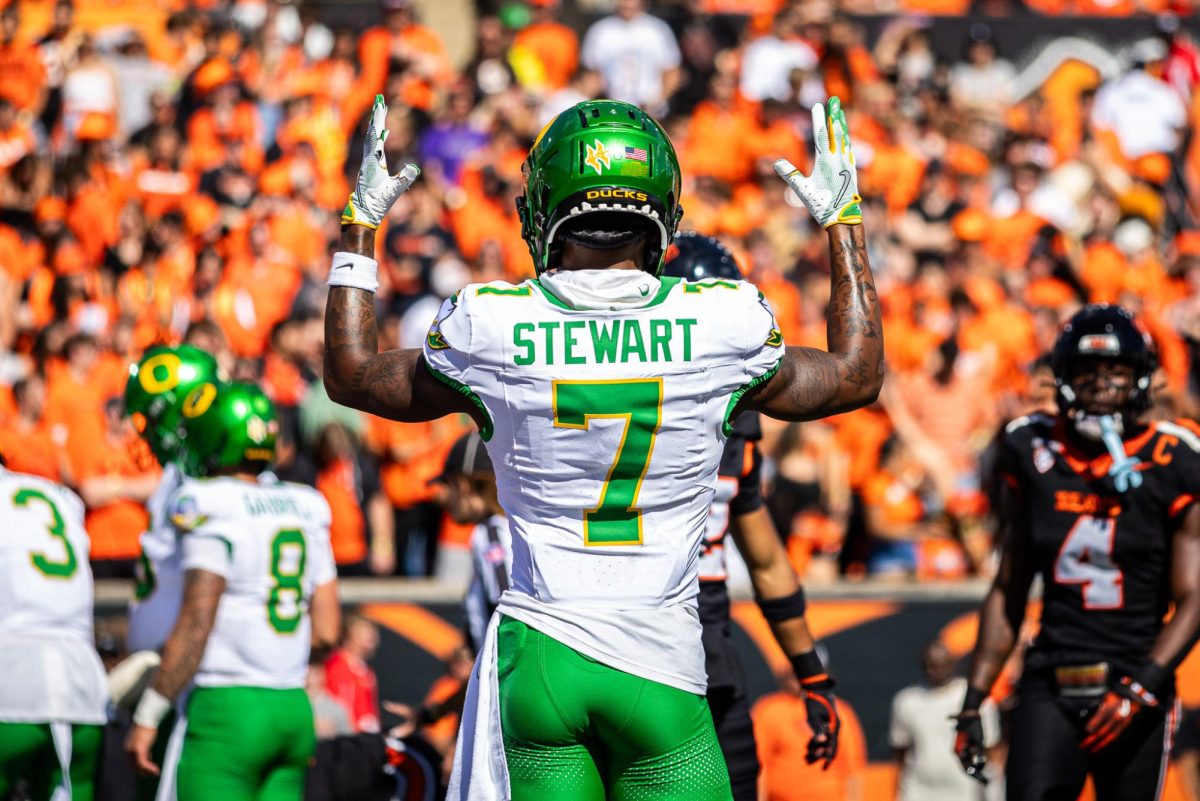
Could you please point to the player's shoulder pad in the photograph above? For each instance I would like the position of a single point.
(1030, 425)
(722, 292)
(1186, 431)
(737, 304)
(1022, 434)
(197, 501)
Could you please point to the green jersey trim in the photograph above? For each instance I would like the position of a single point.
(485, 431)
(666, 284)
(727, 425)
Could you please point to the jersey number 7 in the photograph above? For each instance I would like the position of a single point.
(616, 519)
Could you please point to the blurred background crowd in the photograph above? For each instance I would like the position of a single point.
(173, 171)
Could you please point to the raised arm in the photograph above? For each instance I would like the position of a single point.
(394, 384)
(813, 383)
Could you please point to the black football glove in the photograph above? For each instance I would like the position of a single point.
(968, 742)
(1120, 704)
(821, 708)
(824, 722)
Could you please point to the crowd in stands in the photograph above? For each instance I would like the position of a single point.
(173, 171)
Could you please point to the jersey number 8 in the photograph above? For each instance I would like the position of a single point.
(288, 557)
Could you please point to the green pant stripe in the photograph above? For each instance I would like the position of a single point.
(245, 744)
(578, 730)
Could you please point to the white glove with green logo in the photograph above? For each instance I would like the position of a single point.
(375, 191)
(831, 192)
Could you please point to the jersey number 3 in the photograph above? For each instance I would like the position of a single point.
(616, 519)
(58, 529)
(1086, 558)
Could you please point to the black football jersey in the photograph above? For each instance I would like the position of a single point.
(1104, 556)
(739, 491)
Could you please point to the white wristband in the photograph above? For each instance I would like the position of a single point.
(150, 711)
(355, 271)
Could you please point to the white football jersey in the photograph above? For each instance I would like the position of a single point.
(159, 589)
(47, 652)
(271, 543)
(606, 429)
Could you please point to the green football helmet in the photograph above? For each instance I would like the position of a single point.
(236, 429)
(599, 156)
(156, 390)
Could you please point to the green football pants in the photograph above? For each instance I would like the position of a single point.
(27, 753)
(245, 744)
(578, 730)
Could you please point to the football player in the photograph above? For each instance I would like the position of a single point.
(1102, 506)
(53, 696)
(168, 385)
(738, 509)
(605, 393)
(470, 497)
(259, 589)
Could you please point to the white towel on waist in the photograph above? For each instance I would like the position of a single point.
(480, 770)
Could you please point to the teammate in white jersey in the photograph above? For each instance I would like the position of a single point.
(53, 693)
(260, 590)
(163, 386)
(605, 394)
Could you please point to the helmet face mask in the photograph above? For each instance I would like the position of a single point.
(1103, 367)
(599, 156)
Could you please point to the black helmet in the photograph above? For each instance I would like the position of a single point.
(1101, 332)
(697, 257)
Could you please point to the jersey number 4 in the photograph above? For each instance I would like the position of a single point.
(51, 568)
(616, 519)
(1086, 558)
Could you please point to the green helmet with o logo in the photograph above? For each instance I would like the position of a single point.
(165, 382)
(599, 156)
(237, 429)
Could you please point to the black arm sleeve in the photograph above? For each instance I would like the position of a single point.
(749, 495)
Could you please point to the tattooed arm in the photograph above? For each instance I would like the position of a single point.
(180, 660)
(395, 384)
(814, 383)
(185, 647)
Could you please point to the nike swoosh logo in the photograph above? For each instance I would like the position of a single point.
(837, 202)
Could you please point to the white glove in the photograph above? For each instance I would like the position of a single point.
(831, 192)
(375, 191)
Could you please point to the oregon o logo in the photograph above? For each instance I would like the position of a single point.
(159, 373)
(198, 400)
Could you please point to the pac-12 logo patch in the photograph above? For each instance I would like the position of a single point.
(1043, 459)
